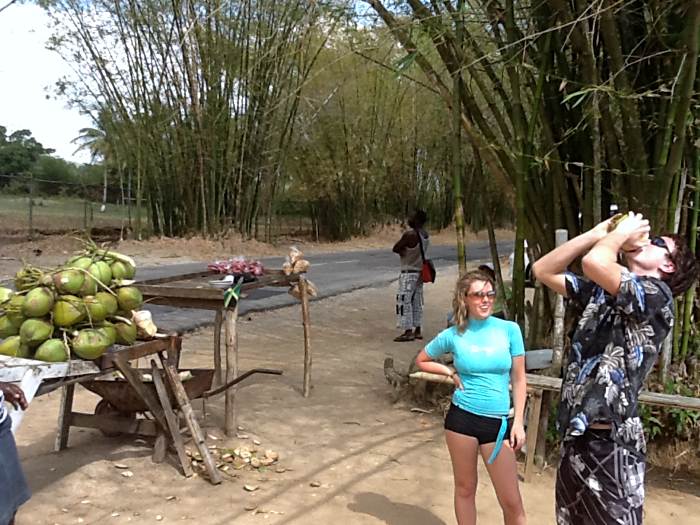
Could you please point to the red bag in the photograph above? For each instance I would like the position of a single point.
(427, 271)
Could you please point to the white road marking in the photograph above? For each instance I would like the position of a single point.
(337, 262)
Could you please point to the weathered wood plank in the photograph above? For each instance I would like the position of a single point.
(137, 351)
(554, 383)
(13, 369)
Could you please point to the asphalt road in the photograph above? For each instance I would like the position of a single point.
(332, 273)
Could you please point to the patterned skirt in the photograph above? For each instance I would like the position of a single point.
(14, 490)
(409, 301)
(599, 482)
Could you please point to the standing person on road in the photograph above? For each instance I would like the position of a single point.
(627, 311)
(409, 299)
(489, 356)
(13, 487)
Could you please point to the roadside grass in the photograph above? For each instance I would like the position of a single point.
(58, 213)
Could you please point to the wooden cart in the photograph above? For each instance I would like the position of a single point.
(192, 291)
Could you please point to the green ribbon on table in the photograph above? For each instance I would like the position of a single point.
(232, 293)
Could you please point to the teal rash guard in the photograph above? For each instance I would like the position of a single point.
(483, 357)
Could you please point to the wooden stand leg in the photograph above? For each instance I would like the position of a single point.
(303, 289)
(64, 417)
(532, 431)
(218, 321)
(173, 423)
(195, 430)
(231, 369)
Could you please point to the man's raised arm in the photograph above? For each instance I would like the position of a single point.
(550, 268)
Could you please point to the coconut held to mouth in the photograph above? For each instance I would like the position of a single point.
(632, 244)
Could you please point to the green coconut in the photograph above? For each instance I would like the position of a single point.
(90, 343)
(118, 270)
(79, 261)
(33, 332)
(68, 311)
(89, 286)
(69, 281)
(122, 270)
(129, 298)
(95, 309)
(13, 310)
(105, 272)
(38, 302)
(7, 328)
(5, 295)
(10, 346)
(108, 301)
(53, 351)
(126, 333)
(109, 330)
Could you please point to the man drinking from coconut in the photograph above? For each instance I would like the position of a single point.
(13, 487)
(626, 313)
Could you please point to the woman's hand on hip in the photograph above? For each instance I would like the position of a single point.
(517, 436)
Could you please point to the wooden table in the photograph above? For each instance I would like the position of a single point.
(184, 291)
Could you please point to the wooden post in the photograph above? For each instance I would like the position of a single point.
(560, 237)
(31, 208)
(532, 431)
(191, 420)
(64, 417)
(304, 292)
(539, 451)
(230, 321)
(217, 346)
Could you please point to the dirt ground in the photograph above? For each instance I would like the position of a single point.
(351, 456)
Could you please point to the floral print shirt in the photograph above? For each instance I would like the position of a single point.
(613, 349)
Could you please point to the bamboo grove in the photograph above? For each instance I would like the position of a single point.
(222, 115)
(570, 106)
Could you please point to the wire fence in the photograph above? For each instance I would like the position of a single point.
(31, 207)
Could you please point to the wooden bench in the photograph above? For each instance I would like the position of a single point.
(538, 384)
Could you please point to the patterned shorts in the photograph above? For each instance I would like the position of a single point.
(409, 301)
(599, 482)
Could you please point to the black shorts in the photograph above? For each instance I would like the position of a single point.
(484, 429)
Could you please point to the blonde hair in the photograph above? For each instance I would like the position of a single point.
(460, 311)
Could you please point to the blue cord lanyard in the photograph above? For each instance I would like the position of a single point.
(499, 439)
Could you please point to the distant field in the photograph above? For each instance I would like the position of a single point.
(57, 214)
(65, 214)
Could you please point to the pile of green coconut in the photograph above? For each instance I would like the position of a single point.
(79, 309)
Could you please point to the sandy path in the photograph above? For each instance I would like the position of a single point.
(375, 462)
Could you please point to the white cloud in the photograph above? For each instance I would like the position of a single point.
(28, 72)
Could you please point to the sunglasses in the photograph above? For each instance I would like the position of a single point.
(661, 243)
(489, 295)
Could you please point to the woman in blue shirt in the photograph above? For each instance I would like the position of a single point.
(488, 355)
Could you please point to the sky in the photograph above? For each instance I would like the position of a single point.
(28, 72)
